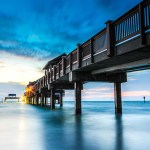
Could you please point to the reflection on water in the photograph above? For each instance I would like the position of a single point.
(27, 127)
(119, 133)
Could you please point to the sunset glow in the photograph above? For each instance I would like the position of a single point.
(19, 69)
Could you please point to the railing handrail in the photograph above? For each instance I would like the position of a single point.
(126, 15)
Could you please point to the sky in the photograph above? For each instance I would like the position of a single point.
(33, 32)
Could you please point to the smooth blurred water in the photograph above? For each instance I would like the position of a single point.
(28, 127)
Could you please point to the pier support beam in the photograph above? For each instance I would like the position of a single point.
(29, 100)
(52, 99)
(45, 100)
(33, 100)
(78, 88)
(61, 100)
(37, 99)
(42, 99)
(117, 95)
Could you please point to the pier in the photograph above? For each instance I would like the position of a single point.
(122, 46)
(11, 96)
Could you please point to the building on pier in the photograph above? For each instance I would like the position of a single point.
(12, 97)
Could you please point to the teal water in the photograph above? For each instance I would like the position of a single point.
(27, 127)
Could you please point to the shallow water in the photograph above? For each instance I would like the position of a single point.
(27, 127)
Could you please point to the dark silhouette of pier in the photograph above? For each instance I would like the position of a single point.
(122, 47)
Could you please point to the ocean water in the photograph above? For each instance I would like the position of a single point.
(28, 127)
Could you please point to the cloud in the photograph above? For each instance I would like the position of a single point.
(98, 89)
(139, 73)
(2, 64)
(48, 28)
(106, 3)
(135, 93)
(132, 78)
(8, 21)
(107, 93)
(99, 93)
(98, 96)
(20, 69)
(102, 93)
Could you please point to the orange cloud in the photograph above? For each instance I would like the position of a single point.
(1, 62)
(135, 93)
(105, 93)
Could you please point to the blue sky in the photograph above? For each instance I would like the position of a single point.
(46, 28)
(35, 31)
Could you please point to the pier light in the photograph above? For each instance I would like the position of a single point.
(22, 98)
(29, 89)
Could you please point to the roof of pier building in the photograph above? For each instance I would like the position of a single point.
(54, 61)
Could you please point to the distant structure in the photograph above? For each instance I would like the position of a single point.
(144, 99)
(122, 46)
(12, 96)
